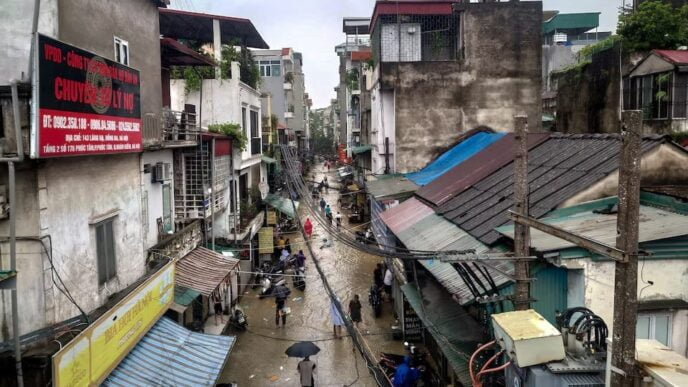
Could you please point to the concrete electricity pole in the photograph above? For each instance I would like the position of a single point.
(625, 253)
(521, 231)
(626, 272)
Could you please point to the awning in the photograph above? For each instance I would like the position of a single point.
(170, 355)
(456, 333)
(361, 149)
(268, 160)
(393, 187)
(183, 297)
(173, 53)
(281, 204)
(203, 270)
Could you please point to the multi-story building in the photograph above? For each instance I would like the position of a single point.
(436, 75)
(282, 77)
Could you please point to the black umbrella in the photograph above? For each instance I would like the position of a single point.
(302, 349)
(281, 292)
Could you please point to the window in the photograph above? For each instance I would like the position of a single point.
(105, 250)
(655, 326)
(264, 69)
(269, 68)
(254, 124)
(121, 51)
(275, 66)
(243, 118)
(166, 208)
(679, 96)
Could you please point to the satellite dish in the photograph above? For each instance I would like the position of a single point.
(264, 188)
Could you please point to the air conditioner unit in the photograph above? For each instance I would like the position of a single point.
(162, 172)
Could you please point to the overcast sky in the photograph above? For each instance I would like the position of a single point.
(314, 27)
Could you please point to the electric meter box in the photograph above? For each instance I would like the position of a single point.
(527, 338)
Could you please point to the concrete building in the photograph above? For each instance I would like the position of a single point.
(282, 77)
(81, 216)
(438, 75)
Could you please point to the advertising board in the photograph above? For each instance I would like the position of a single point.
(90, 357)
(86, 104)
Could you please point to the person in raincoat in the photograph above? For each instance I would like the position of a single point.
(405, 376)
(308, 228)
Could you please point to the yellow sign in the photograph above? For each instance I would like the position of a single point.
(265, 241)
(272, 217)
(95, 352)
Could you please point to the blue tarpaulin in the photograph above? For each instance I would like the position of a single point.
(453, 157)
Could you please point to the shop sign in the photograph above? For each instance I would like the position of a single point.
(266, 241)
(272, 217)
(413, 327)
(85, 104)
(90, 357)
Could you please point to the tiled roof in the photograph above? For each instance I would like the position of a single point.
(678, 57)
(558, 168)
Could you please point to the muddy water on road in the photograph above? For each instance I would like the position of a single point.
(258, 358)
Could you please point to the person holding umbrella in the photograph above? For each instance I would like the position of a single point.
(306, 367)
(281, 294)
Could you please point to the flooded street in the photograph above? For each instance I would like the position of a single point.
(258, 357)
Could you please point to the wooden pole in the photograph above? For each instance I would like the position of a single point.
(626, 273)
(521, 231)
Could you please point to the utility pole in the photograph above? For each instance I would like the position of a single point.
(626, 272)
(521, 231)
(625, 253)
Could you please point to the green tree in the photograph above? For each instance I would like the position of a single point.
(654, 25)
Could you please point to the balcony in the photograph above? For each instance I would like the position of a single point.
(256, 146)
(287, 86)
(176, 129)
(288, 114)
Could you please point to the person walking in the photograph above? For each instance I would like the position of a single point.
(338, 219)
(337, 320)
(355, 310)
(306, 369)
(308, 228)
(300, 259)
(327, 185)
(378, 276)
(280, 310)
(322, 204)
(328, 214)
(217, 306)
(287, 246)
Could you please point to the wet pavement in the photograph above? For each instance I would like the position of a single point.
(258, 358)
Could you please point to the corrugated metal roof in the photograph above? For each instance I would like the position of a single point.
(170, 355)
(558, 168)
(430, 232)
(455, 331)
(476, 168)
(281, 204)
(402, 216)
(678, 57)
(654, 223)
(184, 296)
(572, 22)
(204, 270)
(466, 148)
(394, 187)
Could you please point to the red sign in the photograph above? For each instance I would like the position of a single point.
(86, 104)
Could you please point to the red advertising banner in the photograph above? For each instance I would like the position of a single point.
(87, 105)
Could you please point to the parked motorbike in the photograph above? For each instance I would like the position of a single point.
(365, 237)
(390, 361)
(238, 319)
(299, 280)
(375, 300)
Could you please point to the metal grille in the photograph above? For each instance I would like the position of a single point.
(415, 38)
(659, 96)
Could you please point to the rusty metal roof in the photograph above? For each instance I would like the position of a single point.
(204, 270)
(558, 168)
(471, 171)
(405, 214)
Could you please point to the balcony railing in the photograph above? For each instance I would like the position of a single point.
(175, 129)
(256, 146)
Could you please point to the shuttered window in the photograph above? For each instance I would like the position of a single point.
(105, 250)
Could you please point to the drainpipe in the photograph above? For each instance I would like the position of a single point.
(13, 227)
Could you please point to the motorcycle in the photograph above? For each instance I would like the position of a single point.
(375, 300)
(299, 280)
(365, 237)
(238, 319)
(390, 361)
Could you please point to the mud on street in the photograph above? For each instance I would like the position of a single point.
(258, 357)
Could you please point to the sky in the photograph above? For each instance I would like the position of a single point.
(314, 27)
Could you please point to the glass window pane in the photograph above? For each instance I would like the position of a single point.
(275, 62)
(662, 329)
(100, 253)
(110, 248)
(275, 70)
(642, 328)
(262, 71)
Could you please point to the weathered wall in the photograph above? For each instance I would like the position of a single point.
(669, 284)
(555, 58)
(382, 125)
(499, 77)
(664, 165)
(16, 18)
(272, 85)
(588, 95)
(92, 25)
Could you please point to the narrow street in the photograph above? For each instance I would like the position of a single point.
(258, 357)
